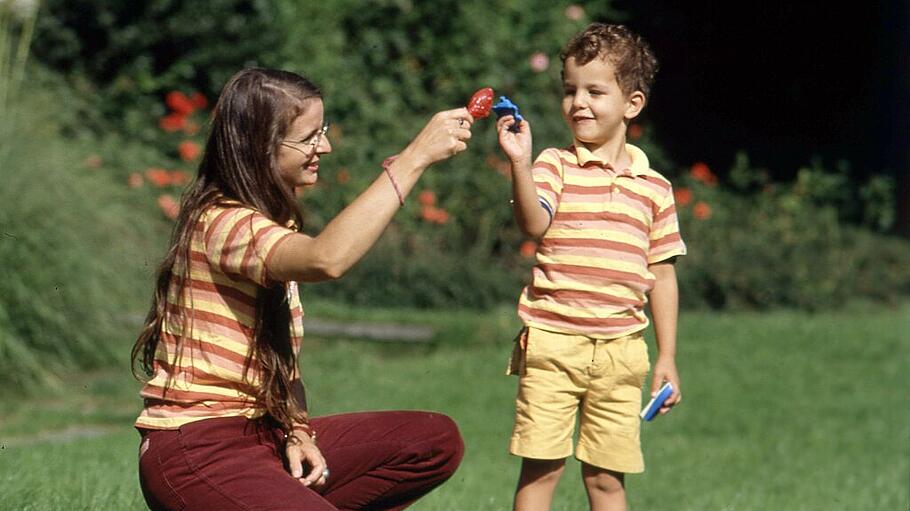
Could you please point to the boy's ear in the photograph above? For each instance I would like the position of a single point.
(635, 104)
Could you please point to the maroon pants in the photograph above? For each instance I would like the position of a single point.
(378, 460)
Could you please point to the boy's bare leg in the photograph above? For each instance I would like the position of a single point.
(537, 483)
(606, 489)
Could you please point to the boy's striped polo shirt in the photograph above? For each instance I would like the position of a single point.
(228, 255)
(591, 276)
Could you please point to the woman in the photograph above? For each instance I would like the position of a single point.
(225, 423)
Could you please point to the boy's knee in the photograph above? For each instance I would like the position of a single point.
(542, 471)
(602, 480)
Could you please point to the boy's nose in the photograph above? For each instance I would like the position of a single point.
(579, 101)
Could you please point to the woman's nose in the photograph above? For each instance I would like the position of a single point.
(324, 146)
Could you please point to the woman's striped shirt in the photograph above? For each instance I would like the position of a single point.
(228, 255)
(591, 276)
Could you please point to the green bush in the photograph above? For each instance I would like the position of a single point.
(125, 56)
(761, 245)
(384, 70)
(77, 252)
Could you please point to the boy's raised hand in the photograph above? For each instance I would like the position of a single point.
(516, 145)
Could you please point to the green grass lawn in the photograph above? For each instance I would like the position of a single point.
(783, 411)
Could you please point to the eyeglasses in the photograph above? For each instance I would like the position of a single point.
(310, 143)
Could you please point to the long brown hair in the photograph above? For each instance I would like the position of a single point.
(240, 164)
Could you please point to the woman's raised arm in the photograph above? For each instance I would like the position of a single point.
(348, 237)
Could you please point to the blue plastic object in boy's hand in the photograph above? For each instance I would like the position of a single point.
(650, 411)
(506, 107)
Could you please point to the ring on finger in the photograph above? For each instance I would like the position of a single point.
(325, 473)
(460, 122)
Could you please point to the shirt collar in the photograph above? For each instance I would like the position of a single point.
(639, 166)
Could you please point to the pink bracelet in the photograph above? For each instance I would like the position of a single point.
(385, 166)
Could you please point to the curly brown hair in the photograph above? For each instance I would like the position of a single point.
(633, 61)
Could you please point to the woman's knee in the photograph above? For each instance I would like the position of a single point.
(445, 442)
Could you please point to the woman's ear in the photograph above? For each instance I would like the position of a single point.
(634, 104)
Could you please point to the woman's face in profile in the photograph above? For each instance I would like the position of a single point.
(303, 145)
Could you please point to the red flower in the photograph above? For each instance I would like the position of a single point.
(135, 180)
(198, 100)
(172, 122)
(528, 249)
(702, 210)
(179, 177)
(683, 196)
(636, 131)
(158, 177)
(701, 172)
(179, 103)
(434, 215)
(168, 206)
(427, 198)
(188, 150)
(343, 176)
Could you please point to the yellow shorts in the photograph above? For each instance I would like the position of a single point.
(561, 374)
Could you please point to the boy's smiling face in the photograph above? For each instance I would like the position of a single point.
(593, 105)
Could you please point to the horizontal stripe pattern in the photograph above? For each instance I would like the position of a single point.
(591, 276)
(212, 375)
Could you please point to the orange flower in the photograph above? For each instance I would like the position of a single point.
(636, 131)
(93, 161)
(427, 198)
(198, 100)
(683, 196)
(158, 177)
(343, 176)
(188, 150)
(168, 206)
(499, 165)
(179, 103)
(172, 122)
(702, 210)
(179, 177)
(135, 180)
(190, 127)
(575, 12)
(335, 133)
(434, 215)
(701, 172)
(528, 249)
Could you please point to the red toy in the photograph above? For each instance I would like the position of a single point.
(480, 103)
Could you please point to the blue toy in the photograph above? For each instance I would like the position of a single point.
(506, 107)
(650, 411)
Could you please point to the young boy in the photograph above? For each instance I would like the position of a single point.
(608, 239)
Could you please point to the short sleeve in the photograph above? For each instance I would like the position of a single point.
(665, 238)
(239, 242)
(548, 179)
